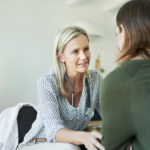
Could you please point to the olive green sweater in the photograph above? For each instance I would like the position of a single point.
(125, 105)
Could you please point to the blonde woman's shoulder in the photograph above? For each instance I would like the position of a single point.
(48, 77)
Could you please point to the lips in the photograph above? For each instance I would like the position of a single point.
(83, 63)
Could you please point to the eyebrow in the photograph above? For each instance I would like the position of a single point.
(84, 46)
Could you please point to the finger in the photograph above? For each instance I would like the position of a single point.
(97, 135)
(102, 147)
(91, 147)
(98, 145)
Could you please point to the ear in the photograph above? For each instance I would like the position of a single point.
(60, 57)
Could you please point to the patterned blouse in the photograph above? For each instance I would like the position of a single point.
(55, 112)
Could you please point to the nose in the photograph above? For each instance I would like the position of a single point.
(83, 55)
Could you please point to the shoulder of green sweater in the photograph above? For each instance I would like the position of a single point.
(118, 75)
(128, 72)
(124, 71)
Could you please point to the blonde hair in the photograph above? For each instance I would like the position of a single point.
(62, 38)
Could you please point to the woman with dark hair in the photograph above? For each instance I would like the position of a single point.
(125, 94)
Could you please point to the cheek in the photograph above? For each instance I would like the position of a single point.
(119, 41)
(89, 55)
(71, 60)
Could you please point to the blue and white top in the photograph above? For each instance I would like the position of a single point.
(55, 112)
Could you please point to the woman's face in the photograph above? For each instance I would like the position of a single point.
(120, 36)
(76, 55)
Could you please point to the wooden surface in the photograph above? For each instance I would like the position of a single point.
(94, 126)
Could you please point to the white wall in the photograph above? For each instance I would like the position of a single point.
(27, 32)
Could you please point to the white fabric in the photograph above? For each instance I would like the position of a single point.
(49, 146)
(9, 127)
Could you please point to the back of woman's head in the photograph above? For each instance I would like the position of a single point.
(134, 16)
(62, 39)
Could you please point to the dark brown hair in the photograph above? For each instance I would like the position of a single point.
(135, 18)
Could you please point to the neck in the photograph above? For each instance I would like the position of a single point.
(144, 55)
(75, 78)
(137, 58)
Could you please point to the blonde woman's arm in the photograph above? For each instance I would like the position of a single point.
(89, 139)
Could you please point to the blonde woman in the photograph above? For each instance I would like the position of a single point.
(68, 96)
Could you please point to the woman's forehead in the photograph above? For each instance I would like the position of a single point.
(79, 41)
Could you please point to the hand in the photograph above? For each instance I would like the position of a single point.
(91, 140)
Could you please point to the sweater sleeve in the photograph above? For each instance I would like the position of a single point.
(49, 108)
(117, 124)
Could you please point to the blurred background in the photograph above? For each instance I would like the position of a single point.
(27, 32)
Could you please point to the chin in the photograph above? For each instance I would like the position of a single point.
(83, 70)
